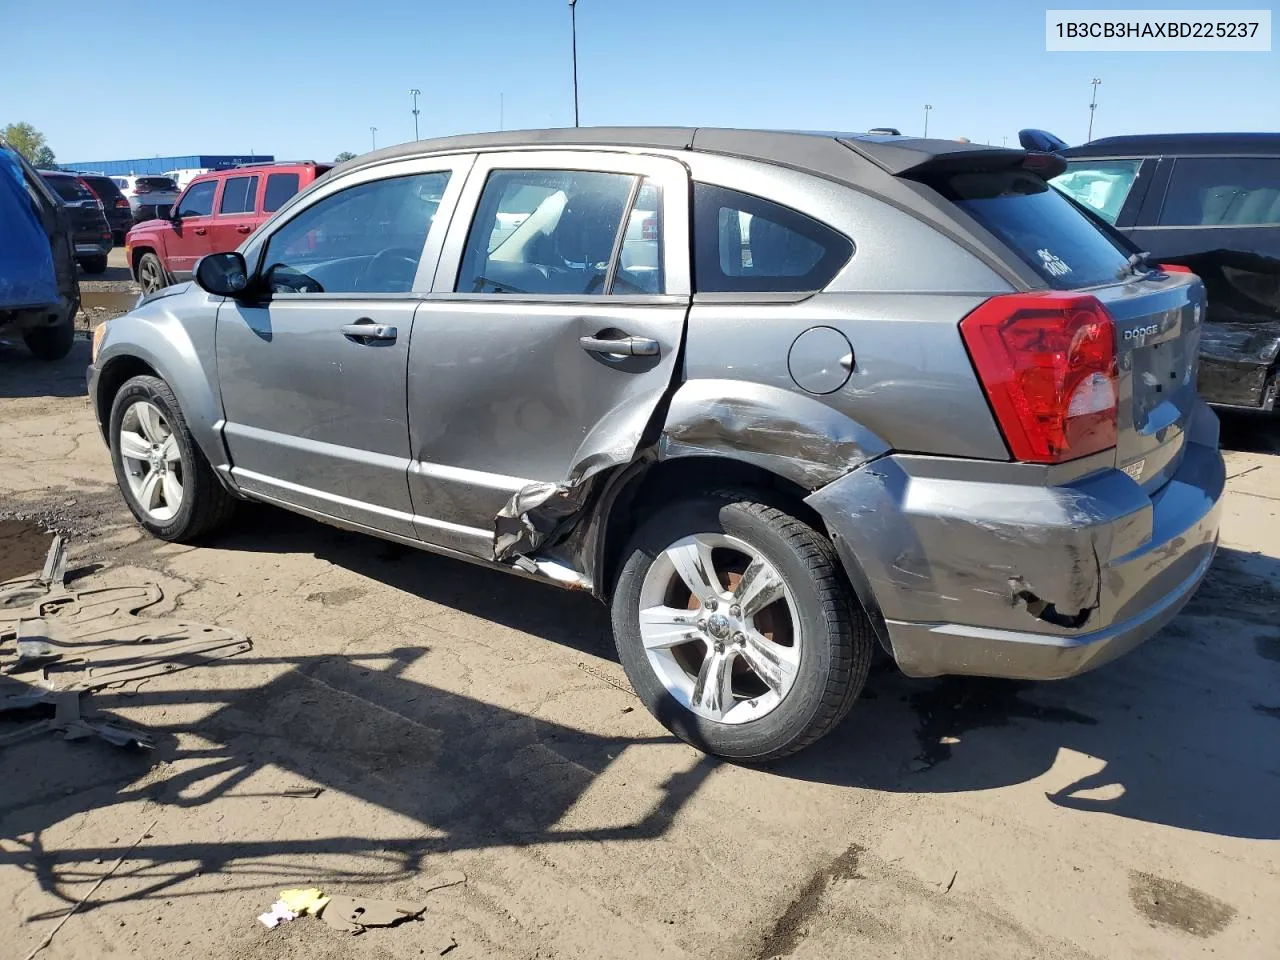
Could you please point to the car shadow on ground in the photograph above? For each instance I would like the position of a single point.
(1184, 731)
(22, 375)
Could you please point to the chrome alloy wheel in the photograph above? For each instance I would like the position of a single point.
(152, 462)
(720, 628)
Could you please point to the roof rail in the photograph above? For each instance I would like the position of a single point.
(273, 163)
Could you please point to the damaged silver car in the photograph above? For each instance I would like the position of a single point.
(777, 398)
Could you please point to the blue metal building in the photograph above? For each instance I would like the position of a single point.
(160, 165)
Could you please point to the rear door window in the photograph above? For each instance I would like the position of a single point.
(554, 232)
(1223, 192)
(69, 189)
(746, 244)
(198, 200)
(280, 187)
(238, 195)
(1101, 185)
(1039, 225)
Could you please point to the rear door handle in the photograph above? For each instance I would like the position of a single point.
(200, 231)
(244, 228)
(626, 346)
(368, 331)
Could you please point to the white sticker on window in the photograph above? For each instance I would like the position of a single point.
(1053, 263)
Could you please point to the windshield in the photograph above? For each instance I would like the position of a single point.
(1040, 225)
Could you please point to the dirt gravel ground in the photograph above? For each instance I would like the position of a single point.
(457, 719)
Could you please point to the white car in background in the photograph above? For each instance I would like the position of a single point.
(150, 197)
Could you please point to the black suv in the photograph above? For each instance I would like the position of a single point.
(1209, 202)
(89, 226)
(114, 205)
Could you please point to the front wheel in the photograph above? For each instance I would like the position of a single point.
(151, 274)
(736, 629)
(94, 265)
(52, 342)
(165, 479)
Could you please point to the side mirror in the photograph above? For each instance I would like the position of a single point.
(222, 274)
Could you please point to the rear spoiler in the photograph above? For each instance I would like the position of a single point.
(916, 158)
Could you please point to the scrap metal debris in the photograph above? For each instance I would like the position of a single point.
(68, 643)
(353, 915)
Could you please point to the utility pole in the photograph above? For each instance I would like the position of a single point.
(502, 98)
(415, 93)
(927, 108)
(1004, 141)
(573, 21)
(373, 135)
(1093, 105)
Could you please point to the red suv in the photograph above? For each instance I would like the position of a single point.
(214, 214)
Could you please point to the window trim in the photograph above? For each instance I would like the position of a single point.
(671, 176)
(456, 166)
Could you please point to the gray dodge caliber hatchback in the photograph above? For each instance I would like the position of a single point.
(774, 397)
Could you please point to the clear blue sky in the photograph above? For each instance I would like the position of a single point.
(307, 80)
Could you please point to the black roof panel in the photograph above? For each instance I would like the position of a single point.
(1178, 144)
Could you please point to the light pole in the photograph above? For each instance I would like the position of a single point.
(373, 135)
(502, 109)
(1093, 105)
(927, 108)
(573, 23)
(415, 93)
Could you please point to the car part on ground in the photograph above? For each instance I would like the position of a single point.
(1208, 203)
(41, 298)
(79, 641)
(905, 385)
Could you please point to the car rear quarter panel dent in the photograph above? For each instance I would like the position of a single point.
(182, 354)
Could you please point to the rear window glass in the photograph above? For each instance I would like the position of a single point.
(1038, 224)
(746, 244)
(69, 188)
(1223, 192)
(158, 183)
(104, 187)
(280, 187)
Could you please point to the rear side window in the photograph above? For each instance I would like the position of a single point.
(238, 195)
(69, 188)
(745, 244)
(280, 187)
(1223, 192)
(1101, 185)
(198, 200)
(1038, 224)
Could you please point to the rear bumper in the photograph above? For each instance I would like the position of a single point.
(966, 574)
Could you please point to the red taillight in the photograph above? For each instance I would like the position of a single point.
(1048, 365)
(122, 204)
(649, 228)
(1173, 268)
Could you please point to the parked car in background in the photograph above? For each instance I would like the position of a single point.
(149, 197)
(216, 212)
(774, 397)
(39, 290)
(1210, 203)
(90, 231)
(114, 205)
(184, 176)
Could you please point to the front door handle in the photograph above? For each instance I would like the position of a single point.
(366, 331)
(201, 231)
(624, 346)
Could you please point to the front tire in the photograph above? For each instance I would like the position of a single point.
(94, 265)
(165, 479)
(151, 273)
(736, 628)
(52, 342)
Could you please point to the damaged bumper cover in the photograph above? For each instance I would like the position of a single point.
(966, 574)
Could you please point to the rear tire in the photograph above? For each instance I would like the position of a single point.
(94, 265)
(167, 483)
(52, 342)
(818, 661)
(151, 273)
